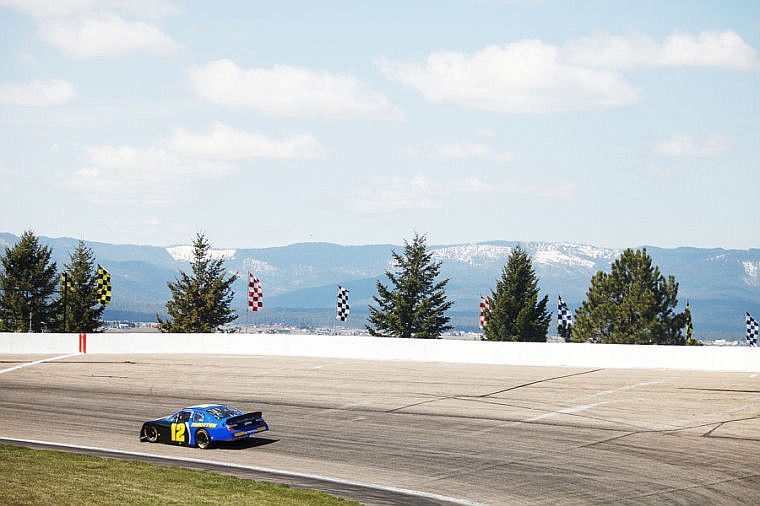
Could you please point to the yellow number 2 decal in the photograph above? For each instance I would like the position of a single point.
(178, 432)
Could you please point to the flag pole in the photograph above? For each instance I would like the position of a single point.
(247, 306)
(65, 289)
(335, 320)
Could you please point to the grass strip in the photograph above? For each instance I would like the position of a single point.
(51, 477)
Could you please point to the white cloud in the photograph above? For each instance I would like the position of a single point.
(138, 176)
(223, 142)
(709, 49)
(105, 35)
(37, 93)
(288, 91)
(159, 176)
(687, 146)
(532, 77)
(525, 77)
(64, 8)
(387, 195)
(724, 49)
(467, 150)
(515, 187)
(396, 194)
(603, 50)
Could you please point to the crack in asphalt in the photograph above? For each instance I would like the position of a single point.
(545, 380)
(483, 396)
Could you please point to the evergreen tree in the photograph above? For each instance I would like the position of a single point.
(200, 301)
(416, 305)
(515, 312)
(633, 304)
(27, 283)
(83, 312)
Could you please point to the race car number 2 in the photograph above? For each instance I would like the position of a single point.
(178, 432)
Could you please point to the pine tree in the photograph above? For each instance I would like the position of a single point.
(83, 312)
(27, 283)
(201, 301)
(633, 304)
(515, 312)
(416, 305)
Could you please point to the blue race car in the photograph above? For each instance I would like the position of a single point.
(203, 425)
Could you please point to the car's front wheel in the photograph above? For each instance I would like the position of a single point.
(151, 433)
(202, 439)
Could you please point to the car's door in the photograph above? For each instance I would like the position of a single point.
(179, 431)
(197, 421)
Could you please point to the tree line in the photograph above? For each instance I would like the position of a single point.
(35, 297)
(632, 304)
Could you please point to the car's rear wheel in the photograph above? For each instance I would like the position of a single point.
(151, 433)
(202, 439)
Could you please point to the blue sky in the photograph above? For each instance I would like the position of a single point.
(611, 123)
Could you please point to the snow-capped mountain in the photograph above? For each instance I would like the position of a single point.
(185, 253)
(549, 254)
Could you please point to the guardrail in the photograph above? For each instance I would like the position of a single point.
(617, 356)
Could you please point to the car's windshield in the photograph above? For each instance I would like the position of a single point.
(224, 412)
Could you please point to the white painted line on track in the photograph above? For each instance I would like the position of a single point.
(294, 474)
(566, 411)
(39, 362)
(344, 407)
(627, 387)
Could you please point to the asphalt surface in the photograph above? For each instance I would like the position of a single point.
(487, 434)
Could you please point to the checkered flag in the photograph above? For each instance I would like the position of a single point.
(104, 286)
(564, 318)
(66, 284)
(342, 304)
(752, 331)
(485, 307)
(255, 295)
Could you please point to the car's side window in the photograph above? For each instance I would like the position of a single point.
(183, 416)
(198, 416)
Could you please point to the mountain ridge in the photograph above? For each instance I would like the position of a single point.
(721, 284)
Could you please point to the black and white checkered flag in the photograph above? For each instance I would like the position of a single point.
(752, 331)
(342, 304)
(564, 318)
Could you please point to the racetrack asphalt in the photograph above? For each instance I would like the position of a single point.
(479, 433)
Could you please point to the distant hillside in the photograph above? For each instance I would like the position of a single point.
(299, 280)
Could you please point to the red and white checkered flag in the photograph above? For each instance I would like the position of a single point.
(255, 295)
(485, 306)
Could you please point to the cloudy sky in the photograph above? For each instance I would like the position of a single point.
(611, 123)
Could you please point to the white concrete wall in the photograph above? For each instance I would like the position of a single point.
(706, 358)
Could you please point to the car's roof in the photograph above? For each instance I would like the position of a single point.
(205, 407)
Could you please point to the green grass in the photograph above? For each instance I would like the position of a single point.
(50, 477)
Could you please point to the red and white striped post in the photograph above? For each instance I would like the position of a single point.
(82, 343)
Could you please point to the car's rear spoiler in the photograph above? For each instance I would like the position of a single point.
(241, 420)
